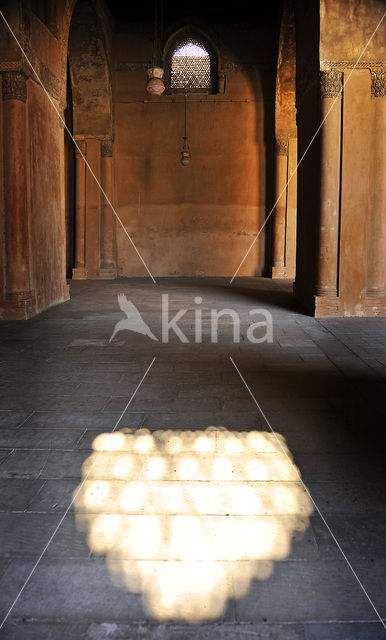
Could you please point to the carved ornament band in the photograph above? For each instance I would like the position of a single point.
(14, 86)
(330, 83)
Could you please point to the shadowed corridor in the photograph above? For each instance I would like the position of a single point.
(191, 428)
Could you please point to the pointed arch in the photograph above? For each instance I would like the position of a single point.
(93, 129)
(195, 74)
(90, 73)
(285, 193)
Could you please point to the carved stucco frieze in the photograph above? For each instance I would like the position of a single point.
(242, 66)
(10, 65)
(227, 66)
(340, 65)
(377, 70)
(330, 83)
(14, 86)
(50, 83)
(133, 67)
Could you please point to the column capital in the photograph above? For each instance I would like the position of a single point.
(106, 148)
(330, 82)
(80, 150)
(281, 146)
(378, 77)
(14, 86)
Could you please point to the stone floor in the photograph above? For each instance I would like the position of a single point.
(320, 384)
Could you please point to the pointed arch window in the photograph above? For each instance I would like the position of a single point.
(191, 63)
(190, 66)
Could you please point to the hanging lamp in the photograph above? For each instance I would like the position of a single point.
(155, 84)
(185, 153)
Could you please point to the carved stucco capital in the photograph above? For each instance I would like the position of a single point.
(80, 149)
(106, 148)
(330, 83)
(378, 77)
(14, 86)
(281, 146)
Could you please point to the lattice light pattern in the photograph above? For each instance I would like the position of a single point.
(189, 518)
(190, 66)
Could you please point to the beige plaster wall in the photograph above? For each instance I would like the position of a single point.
(346, 26)
(199, 219)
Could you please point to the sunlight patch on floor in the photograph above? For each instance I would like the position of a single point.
(189, 518)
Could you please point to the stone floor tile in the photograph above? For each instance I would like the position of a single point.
(345, 631)
(16, 494)
(160, 404)
(80, 419)
(13, 419)
(54, 403)
(77, 590)
(222, 631)
(344, 497)
(28, 438)
(26, 534)
(203, 419)
(361, 536)
(313, 590)
(17, 628)
(55, 495)
(23, 464)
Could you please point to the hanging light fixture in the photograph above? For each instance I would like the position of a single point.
(155, 83)
(185, 153)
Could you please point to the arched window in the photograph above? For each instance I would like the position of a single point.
(191, 63)
(190, 66)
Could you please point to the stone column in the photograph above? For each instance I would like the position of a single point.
(108, 252)
(19, 297)
(279, 216)
(376, 237)
(93, 208)
(291, 213)
(330, 158)
(79, 273)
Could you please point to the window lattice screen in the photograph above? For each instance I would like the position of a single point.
(190, 66)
